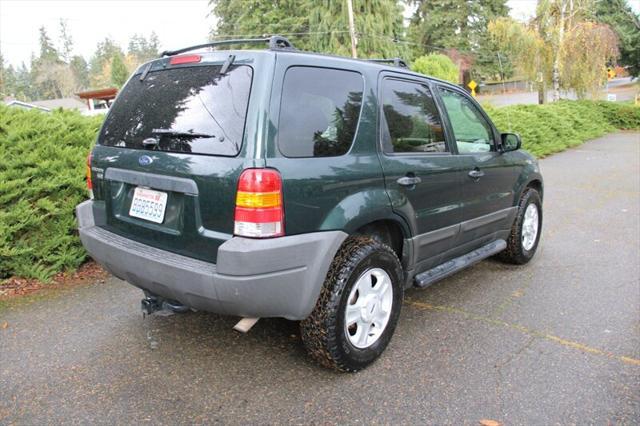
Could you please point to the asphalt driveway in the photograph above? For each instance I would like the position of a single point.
(556, 341)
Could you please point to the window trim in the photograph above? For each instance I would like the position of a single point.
(356, 130)
(495, 136)
(381, 118)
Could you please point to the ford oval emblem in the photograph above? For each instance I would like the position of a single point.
(145, 160)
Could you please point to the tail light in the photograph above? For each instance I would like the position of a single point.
(259, 210)
(89, 182)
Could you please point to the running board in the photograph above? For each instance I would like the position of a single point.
(426, 278)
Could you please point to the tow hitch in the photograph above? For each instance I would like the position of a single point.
(152, 303)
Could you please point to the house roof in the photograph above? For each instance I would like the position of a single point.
(66, 103)
(26, 105)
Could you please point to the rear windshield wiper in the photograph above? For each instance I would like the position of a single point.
(178, 133)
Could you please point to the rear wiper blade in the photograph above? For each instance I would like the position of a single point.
(178, 133)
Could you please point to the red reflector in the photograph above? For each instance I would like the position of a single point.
(184, 59)
(258, 215)
(89, 182)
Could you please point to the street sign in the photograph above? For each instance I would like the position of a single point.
(472, 85)
(611, 73)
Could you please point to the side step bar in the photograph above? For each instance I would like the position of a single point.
(426, 278)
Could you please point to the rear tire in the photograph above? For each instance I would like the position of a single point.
(525, 232)
(358, 307)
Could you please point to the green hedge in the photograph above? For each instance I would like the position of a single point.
(42, 169)
(550, 128)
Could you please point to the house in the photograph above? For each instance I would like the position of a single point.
(64, 103)
(98, 101)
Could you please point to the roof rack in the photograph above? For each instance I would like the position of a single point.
(397, 62)
(275, 43)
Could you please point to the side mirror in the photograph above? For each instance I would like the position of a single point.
(510, 142)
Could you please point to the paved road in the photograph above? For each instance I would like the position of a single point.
(556, 341)
(623, 88)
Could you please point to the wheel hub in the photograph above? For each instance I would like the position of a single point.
(368, 308)
(530, 225)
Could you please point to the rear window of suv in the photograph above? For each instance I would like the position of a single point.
(186, 109)
(319, 111)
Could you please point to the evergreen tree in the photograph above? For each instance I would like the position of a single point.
(3, 78)
(50, 76)
(318, 25)
(253, 18)
(378, 25)
(25, 89)
(80, 70)
(143, 50)
(66, 42)
(626, 24)
(438, 25)
(119, 73)
(99, 66)
(47, 51)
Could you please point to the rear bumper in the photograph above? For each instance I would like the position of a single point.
(279, 277)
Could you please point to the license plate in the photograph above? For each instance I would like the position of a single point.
(148, 204)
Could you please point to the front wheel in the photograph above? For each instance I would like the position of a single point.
(525, 232)
(358, 307)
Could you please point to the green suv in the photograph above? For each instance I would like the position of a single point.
(280, 183)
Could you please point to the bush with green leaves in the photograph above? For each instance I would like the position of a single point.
(42, 171)
(546, 129)
(42, 177)
(438, 66)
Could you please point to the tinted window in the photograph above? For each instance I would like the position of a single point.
(319, 112)
(188, 109)
(472, 132)
(411, 119)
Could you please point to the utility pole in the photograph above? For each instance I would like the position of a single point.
(352, 29)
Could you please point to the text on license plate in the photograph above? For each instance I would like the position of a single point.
(148, 204)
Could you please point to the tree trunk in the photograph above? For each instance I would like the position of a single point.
(556, 58)
(556, 78)
(541, 94)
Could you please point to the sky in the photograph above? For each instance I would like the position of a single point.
(177, 23)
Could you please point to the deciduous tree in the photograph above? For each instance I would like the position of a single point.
(437, 65)
(558, 46)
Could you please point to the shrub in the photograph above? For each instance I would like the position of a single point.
(438, 66)
(42, 169)
(546, 129)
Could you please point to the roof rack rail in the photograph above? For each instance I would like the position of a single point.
(275, 42)
(397, 62)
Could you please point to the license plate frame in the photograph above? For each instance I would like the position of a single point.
(148, 204)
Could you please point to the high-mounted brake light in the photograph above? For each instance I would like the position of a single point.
(89, 181)
(259, 210)
(184, 59)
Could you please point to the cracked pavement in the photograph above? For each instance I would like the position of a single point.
(555, 341)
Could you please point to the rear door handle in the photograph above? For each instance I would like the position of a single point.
(409, 180)
(476, 174)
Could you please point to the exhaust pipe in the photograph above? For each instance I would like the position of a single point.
(245, 324)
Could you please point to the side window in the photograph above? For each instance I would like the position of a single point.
(319, 111)
(472, 132)
(411, 122)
